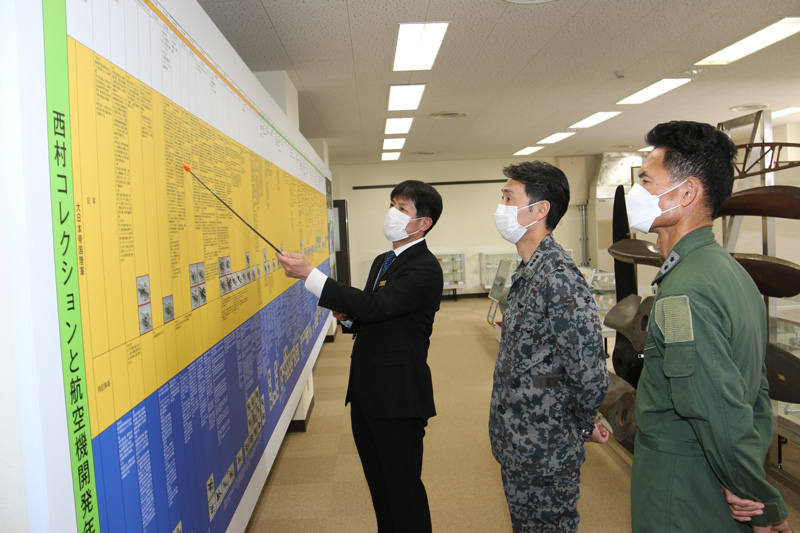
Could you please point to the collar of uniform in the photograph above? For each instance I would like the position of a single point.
(527, 269)
(688, 243)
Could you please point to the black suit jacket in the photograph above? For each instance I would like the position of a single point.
(389, 373)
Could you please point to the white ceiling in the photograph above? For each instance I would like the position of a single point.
(520, 72)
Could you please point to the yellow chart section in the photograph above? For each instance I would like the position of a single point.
(166, 271)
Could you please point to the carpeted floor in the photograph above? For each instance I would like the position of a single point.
(316, 483)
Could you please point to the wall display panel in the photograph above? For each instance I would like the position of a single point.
(182, 342)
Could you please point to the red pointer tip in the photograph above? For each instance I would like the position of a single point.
(187, 168)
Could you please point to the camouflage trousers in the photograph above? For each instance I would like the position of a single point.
(542, 503)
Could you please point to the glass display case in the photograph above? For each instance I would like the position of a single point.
(787, 415)
(602, 285)
(489, 264)
(453, 271)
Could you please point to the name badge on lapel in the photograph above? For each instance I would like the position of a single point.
(382, 283)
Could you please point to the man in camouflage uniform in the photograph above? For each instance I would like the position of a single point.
(702, 407)
(550, 377)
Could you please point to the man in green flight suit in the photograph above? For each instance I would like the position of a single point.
(702, 407)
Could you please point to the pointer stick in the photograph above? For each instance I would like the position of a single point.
(189, 170)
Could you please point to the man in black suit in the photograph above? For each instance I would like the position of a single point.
(390, 390)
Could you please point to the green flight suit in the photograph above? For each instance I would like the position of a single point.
(702, 406)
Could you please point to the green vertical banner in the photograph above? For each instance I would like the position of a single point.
(65, 246)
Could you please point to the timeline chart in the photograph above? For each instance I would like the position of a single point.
(191, 334)
(166, 270)
(181, 459)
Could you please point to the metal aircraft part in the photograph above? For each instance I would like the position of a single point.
(618, 409)
(781, 201)
(631, 317)
(764, 157)
(624, 274)
(627, 363)
(773, 276)
(636, 251)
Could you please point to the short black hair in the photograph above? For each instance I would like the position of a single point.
(543, 181)
(694, 149)
(427, 200)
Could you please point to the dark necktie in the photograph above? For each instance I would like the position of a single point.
(386, 262)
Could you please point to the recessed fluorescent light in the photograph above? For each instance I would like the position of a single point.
(529, 150)
(784, 112)
(554, 138)
(657, 89)
(405, 97)
(595, 119)
(761, 39)
(417, 45)
(390, 156)
(646, 149)
(394, 144)
(398, 125)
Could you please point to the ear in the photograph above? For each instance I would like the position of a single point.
(427, 222)
(544, 209)
(691, 192)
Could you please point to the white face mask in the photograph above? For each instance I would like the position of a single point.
(643, 208)
(505, 218)
(394, 225)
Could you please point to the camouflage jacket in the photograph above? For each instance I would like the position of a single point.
(550, 376)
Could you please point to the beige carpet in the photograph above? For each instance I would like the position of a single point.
(316, 483)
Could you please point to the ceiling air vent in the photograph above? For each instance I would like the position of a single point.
(448, 115)
(749, 107)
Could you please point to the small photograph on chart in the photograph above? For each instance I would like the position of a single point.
(143, 289)
(169, 309)
(145, 319)
(198, 295)
(143, 297)
(193, 275)
(197, 278)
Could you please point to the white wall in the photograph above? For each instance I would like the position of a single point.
(13, 504)
(467, 222)
(38, 493)
(283, 91)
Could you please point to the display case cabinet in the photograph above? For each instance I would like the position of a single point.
(452, 271)
(489, 264)
(602, 285)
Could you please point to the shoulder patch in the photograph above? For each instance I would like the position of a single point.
(673, 316)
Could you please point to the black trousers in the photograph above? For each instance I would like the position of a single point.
(391, 455)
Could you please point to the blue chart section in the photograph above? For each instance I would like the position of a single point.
(182, 458)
